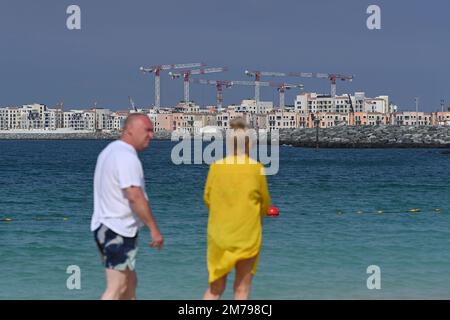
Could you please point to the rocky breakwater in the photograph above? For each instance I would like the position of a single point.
(369, 137)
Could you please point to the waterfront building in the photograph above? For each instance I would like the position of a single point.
(311, 102)
(225, 116)
(53, 119)
(303, 120)
(177, 121)
(8, 118)
(211, 109)
(194, 122)
(102, 119)
(368, 119)
(25, 117)
(90, 119)
(411, 118)
(259, 121)
(152, 115)
(333, 119)
(188, 107)
(164, 122)
(141, 110)
(117, 120)
(440, 118)
(376, 118)
(31, 116)
(249, 106)
(79, 120)
(11, 118)
(279, 119)
(356, 110)
(3, 119)
(378, 105)
(330, 119)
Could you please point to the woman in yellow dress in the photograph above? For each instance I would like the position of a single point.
(237, 197)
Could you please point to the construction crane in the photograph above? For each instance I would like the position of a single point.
(187, 73)
(282, 88)
(132, 104)
(220, 84)
(157, 71)
(257, 75)
(330, 76)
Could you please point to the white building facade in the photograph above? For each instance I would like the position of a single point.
(312, 102)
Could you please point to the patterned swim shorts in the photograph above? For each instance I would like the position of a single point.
(117, 252)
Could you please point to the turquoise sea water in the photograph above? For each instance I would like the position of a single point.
(340, 211)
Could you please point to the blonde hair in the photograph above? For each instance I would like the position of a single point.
(238, 123)
(240, 134)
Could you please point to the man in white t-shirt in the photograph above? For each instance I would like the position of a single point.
(121, 207)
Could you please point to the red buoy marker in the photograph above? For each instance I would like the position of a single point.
(273, 211)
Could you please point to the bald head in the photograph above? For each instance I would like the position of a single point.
(137, 131)
(133, 119)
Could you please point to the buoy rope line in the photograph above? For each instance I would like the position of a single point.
(381, 211)
(272, 212)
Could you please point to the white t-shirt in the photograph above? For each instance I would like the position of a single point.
(118, 167)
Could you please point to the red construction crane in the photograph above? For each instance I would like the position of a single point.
(257, 75)
(220, 84)
(330, 76)
(282, 88)
(187, 73)
(157, 70)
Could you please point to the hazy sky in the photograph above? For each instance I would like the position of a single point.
(42, 61)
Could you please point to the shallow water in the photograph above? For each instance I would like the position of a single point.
(341, 210)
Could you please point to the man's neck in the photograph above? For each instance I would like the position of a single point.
(127, 141)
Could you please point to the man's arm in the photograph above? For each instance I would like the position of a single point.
(141, 207)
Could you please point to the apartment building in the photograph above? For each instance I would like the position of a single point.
(249, 106)
(310, 102)
(411, 118)
(281, 120)
(440, 118)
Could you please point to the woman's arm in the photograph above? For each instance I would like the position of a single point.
(208, 185)
(265, 196)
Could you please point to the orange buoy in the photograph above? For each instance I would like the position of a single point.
(273, 211)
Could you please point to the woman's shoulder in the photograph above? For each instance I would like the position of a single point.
(241, 163)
